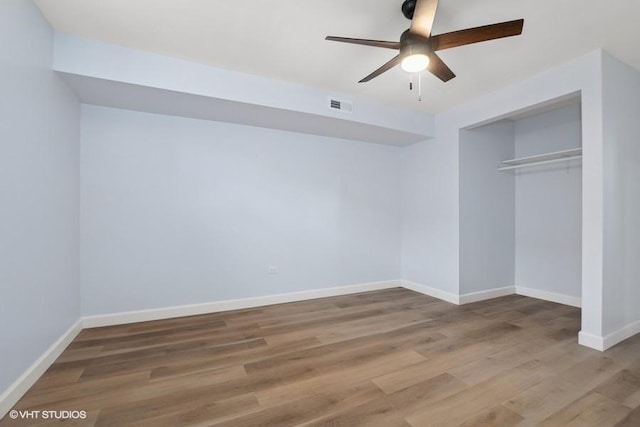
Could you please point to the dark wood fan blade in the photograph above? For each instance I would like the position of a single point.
(438, 68)
(374, 43)
(477, 34)
(386, 67)
(423, 16)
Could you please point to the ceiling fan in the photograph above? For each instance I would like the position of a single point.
(418, 47)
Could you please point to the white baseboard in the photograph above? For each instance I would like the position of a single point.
(458, 299)
(603, 343)
(549, 296)
(492, 293)
(592, 341)
(621, 334)
(16, 390)
(485, 295)
(236, 304)
(432, 292)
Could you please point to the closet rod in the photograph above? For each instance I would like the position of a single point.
(543, 162)
(546, 156)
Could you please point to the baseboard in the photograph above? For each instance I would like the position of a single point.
(16, 390)
(458, 299)
(236, 304)
(485, 295)
(621, 334)
(492, 293)
(549, 296)
(592, 341)
(432, 292)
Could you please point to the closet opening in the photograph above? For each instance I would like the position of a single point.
(521, 204)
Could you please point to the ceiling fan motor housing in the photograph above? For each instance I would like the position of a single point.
(411, 44)
(408, 7)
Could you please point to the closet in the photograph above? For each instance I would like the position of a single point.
(521, 204)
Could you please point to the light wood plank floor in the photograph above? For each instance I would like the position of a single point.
(387, 358)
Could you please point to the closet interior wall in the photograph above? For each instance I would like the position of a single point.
(487, 208)
(549, 205)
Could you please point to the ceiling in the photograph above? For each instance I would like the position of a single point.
(284, 39)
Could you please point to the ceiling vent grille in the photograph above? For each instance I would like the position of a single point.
(341, 105)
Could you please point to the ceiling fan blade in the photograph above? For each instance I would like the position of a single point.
(365, 42)
(423, 16)
(477, 34)
(386, 67)
(438, 68)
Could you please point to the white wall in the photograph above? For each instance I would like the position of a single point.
(549, 205)
(429, 207)
(39, 170)
(179, 211)
(621, 92)
(487, 208)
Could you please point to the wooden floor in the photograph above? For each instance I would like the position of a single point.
(388, 358)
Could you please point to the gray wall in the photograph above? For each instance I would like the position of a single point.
(549, 205)
(621, 92)
(487, 208)
(39, 170)
(179, 211)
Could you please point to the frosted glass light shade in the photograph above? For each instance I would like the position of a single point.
(415, 63)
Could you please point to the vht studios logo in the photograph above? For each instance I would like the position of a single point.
(48, 415)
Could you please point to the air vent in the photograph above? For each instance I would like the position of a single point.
(341, 105)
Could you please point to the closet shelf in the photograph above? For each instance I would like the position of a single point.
(541, 159)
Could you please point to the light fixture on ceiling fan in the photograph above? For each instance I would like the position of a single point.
(416, 60)
(418, 47)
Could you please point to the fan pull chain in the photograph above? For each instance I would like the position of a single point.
(419, 85)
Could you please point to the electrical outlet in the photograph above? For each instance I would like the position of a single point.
(272, 269)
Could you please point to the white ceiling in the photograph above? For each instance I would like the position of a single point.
(284, 39)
